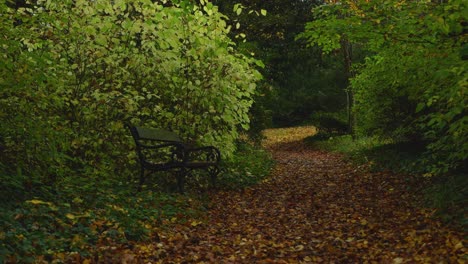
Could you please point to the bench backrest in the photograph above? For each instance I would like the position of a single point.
(143, 133)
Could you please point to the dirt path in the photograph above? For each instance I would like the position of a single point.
(314, 208)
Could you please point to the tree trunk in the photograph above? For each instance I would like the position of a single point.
(347, 51)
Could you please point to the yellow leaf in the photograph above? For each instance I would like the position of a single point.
(36, 202)
(458, 246)
(195, 223)
(299, 248)
(77, 200)
(77, 240)
(70, 216)
(86, 261)
(60, 256)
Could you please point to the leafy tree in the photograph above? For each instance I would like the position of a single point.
(412, 85)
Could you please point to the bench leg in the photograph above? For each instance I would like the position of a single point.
(181, 179)
(142, 178)
(214, 171)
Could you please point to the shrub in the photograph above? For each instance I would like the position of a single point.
(250, 165)
(329, 122)
(74, 72)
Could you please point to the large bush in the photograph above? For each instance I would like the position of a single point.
(74, 72)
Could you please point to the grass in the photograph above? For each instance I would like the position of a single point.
(380, 154)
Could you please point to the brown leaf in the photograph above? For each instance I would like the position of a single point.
(316, 208)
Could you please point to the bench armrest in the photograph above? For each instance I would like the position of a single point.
(175, 152)
(207, 153)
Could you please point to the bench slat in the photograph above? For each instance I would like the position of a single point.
(157, 134)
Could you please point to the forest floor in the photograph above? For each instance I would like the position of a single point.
(315, 207)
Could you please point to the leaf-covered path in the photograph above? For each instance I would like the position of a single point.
(314, 208)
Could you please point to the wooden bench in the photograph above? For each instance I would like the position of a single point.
(163, 150)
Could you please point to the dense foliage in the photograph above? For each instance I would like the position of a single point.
(412, 85)
(72, 73)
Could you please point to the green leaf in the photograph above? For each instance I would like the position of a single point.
(237, 9)
(420, 107)
(260, 63)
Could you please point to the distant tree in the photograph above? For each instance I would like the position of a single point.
(298, 81)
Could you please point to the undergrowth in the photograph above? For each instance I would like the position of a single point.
(39, 228)
(250, 165)
(53, 225)
(449, 196)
